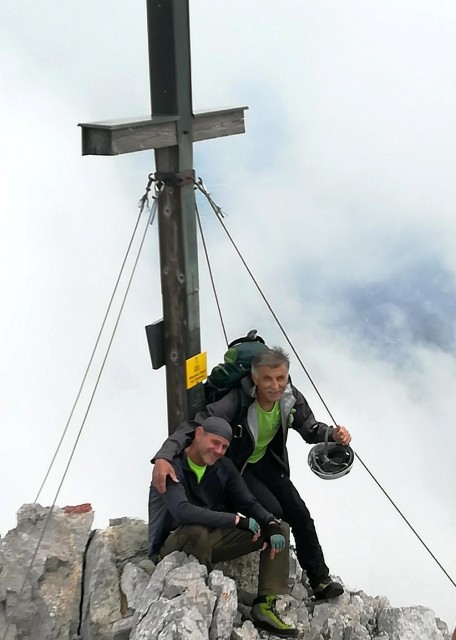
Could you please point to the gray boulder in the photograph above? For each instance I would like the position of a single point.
(102, 586)
(225, 606)
(49, 605)
(244, 571)
(133, 583)
(101, 605)
(177, 602)
(409, 623)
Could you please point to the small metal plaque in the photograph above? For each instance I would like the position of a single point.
(156, 340)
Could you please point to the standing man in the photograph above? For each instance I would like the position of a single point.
(192, 516)
(260, 413)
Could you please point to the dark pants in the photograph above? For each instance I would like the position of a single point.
(278, 495)
(214, 545)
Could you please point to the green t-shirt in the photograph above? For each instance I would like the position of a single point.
(268, 424)
(197, 470)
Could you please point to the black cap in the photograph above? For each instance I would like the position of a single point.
(218, 426)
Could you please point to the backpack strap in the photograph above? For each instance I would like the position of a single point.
(243, 404)
(252, 336)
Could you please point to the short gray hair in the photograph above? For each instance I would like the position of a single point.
(273, 357)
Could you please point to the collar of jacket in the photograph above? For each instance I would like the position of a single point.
(186, 467)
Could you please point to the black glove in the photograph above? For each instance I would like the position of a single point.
(248, 524)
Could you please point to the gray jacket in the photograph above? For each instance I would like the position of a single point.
(238, 407)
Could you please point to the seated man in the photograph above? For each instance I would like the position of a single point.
(261, 412)
(191, 516)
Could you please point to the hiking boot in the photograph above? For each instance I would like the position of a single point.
(327, 589)
(265, 617)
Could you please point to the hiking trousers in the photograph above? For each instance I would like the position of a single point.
(214, 545)
(277, 494)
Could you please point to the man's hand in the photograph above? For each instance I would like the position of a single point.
(341, 434)
(162, 469)
(248, 524)
(276, 540)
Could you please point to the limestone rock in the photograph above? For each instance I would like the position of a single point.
(133, 583)
(246, 632)
(102, 586)
(122, 628)
(225, 607)
(409, 623)
(49, 605)
(177, 603)
(101, 605)
(155, 586)
(295, 568)
(129, 538)
(244, 571)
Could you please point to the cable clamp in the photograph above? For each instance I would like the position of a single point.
(175, 179)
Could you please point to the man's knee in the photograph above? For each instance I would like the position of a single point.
(195, 535)
(197, 543)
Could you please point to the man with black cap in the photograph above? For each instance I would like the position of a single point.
(193, 516)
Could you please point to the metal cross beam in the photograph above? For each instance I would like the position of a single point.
(171, 131)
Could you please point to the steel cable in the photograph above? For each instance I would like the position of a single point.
(150, 221)
(219, 214)
(210, 273)
(142, 203)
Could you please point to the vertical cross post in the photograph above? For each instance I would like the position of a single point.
(171, 94)
(171, 131)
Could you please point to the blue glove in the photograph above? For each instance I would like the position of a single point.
(277, 542)
(275, 535)
(248, 524)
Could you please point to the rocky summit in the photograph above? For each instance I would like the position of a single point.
(100, 585)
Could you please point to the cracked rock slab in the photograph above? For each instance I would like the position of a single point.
(49, 606)
(409, 623)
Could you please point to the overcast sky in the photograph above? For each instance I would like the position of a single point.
(342, 197)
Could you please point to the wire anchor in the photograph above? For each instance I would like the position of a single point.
(199, 184)
(144, 200)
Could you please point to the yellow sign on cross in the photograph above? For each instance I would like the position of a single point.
(196, 369)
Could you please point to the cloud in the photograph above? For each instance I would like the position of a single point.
(415, 308)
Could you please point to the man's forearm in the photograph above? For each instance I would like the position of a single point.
(176, 442)
(184, 512)
(191, 514)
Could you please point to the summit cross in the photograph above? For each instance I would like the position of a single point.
(171, 131)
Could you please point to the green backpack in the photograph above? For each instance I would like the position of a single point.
(237, 364)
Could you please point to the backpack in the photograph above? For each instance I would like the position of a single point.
(237, 364)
